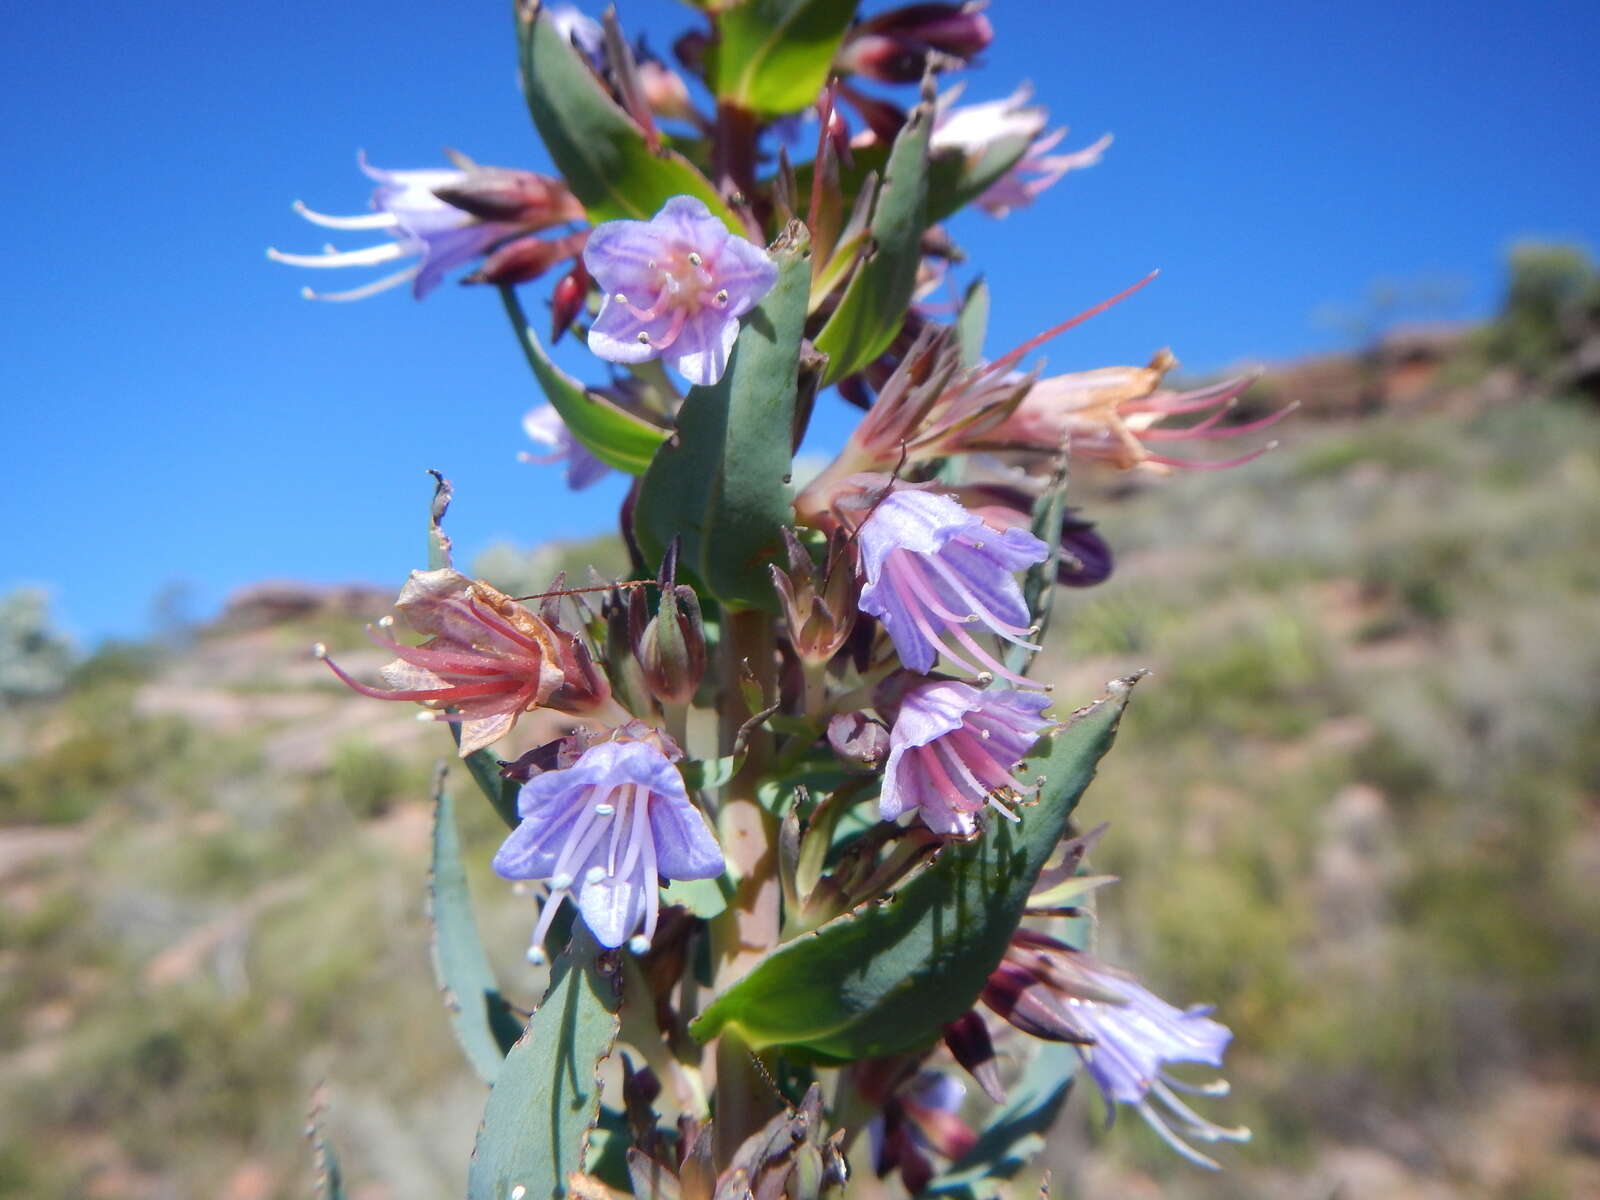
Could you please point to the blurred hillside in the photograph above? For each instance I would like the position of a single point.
(1357, 806)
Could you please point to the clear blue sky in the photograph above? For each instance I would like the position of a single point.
(174, 410)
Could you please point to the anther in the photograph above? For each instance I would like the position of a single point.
(561, 882)
(604, 810)
(644, 338)
(318, 650)
(620, 298)
(694, 258)
(971, 619)
(386, 621)
(986, 677)
(984, 734)
(721, 296)
(638, 943)
(595, 873)
(536, 956)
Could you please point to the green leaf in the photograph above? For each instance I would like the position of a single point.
(773, 56)
(1015, 1133)
(953, 181)
(482, 1020)
(596, 146)
(613, 435)
(875, 300)
(485, 771)
(887, 977)
(1039, 584)
(703, 897)
(973, 322)
(330, 1179)
(722, 483)
(546, 1099)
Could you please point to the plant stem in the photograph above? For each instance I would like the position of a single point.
(748, 928)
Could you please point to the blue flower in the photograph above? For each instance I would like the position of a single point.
(675, 287)
(543, 424)
(607, 829)
(952, 752)
(932, 569)
(1123, 1032)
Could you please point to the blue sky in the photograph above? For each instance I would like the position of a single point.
(176, 412)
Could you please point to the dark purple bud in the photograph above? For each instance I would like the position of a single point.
(566, 301)
(1031, 1006)
(968, 1040)
(884, 119)
(1085, 558)
(898, 46)
(857, 738)
(552, 756)
(525, 259)
(514, 197)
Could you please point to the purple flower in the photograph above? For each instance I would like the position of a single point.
(674, 286)
(439, 235)
(952, 752)
(544, 425)
(932, 568)
(609, 827)
(1124, 1033)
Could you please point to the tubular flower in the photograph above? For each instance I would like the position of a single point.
(444, 218)
(675, 287)
(608, 829)
(953, 751)
(1124, 1033)
(931, 570)
(544, 425)
(974, 129)
(1113, 415)
(1084, 560)
(487, 659)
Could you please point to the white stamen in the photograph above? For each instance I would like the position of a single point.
(595, 873)
(536, 956)
(377, 220)
(561, 882)
(365, 290)
(386, 621)
(694, 258)
(318, 650)
(644, 338)
(984, 734)
(604, 810)
(387, 252)
(638, 943)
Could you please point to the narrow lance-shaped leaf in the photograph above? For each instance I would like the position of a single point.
(1039, 584)
(599, 150)
(886, 978)
(972, 323)
(722, 484)
(875, 300)
(546, 1099)
(1015, 1134)
(773, 56)
(613, 435)
(480, 1017)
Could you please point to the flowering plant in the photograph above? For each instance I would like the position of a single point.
(810, 815)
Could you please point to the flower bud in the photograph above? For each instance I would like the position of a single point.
(897, 46)
(670, 646)
(820, 613)
(516, 197)
(566, 302)
(857, 738)
(525, 259)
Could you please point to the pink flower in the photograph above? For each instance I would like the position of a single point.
(953, 751)
(487, 659)
(675, 287)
